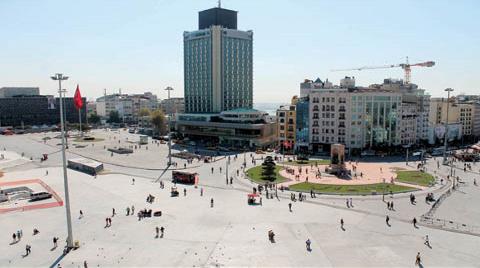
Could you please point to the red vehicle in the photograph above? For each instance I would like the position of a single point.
(184, 177)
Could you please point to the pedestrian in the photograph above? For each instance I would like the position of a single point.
(351, 202)
(55, 239)
(81, 214)
(388, 205)
(418, 259)
(231, 180)
(157, 231)
(106, 222)
(211, 202)
(308, 243)
(387, 220)
(133, 181)
(19, 236)
(341, 223)
(201, 191)
(162, 230)
(85, 264)
(290, 207)
(132, 210)
(261, 201)
(427, 241)
(28, 249)
(128, 211)
(113, 212)
(414, 222)
(14, 236)
(391, 206)
(348, 204)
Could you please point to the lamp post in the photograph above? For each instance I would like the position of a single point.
(445, 142)
(168, 89)
(60, 77)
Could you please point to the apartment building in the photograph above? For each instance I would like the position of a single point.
(127, 106)
(373, 117)
(286, 125)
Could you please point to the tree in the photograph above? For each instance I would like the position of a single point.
(159, 121)
(94, 118)
(114, 117)
(268, 169)
(144, 112)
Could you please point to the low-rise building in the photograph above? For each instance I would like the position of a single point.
(8, 92)
(173, 105)
(127, 106)
(239, 128)
(286, 125)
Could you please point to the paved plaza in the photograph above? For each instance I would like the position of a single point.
(229, 233)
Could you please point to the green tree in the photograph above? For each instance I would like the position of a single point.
(268, 169)
(144, 112)
(159, 121)
(114, 117)
(94, 118)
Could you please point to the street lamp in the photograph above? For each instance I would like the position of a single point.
(168, 89)
(445, 142)
(60, 78)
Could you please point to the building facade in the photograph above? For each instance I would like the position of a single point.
(8, 92)
(173, 105)
(218, 64)
(460, 111)
(37, 110)
(127, 106)
(374, 117)
(286, 125)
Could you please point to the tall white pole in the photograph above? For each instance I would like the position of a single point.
(168, 89)
(446, 128)
(59, 78)
(80, 121)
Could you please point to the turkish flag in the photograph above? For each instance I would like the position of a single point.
(77, 99)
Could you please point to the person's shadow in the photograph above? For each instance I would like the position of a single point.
(343, 228)
(389, 225)
(14, 242)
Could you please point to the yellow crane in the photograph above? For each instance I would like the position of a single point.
(407, 67)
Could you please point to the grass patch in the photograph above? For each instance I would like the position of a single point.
(379, 188)
(415, 177)
(308, 162)
(255, 174)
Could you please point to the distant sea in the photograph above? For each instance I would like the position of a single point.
(270, 108)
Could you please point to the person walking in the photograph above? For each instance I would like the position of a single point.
(128, 211)
(427, 241)
(387, 220)
(201, 191)
(341, 223)
(184, 192)
(162, 230)
(211, 202)
(290, 207)
(28, 250)
(113, 212)
(14, 236)
(418, 259)
(157, 232)
(414, 222)
(81, 214)
(55, 240)
(308, 243)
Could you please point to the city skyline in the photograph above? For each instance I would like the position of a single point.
(138, 46)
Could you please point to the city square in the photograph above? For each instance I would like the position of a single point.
(197, 234)
(270, 133)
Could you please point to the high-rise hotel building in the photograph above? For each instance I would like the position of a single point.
(218, 68)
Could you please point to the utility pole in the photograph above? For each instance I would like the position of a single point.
(60, 77)
(168, 89)
(448, 90)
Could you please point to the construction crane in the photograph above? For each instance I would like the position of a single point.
(407, 67)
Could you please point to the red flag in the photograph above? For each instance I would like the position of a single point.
(77, 99)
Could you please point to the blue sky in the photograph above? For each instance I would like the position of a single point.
(137, 45)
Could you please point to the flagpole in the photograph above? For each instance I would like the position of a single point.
(80, 120)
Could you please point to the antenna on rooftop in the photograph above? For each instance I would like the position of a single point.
(219, 3)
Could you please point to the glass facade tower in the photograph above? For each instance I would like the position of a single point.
(218, 69)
